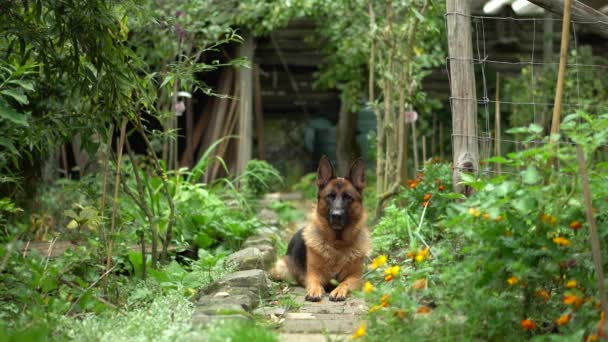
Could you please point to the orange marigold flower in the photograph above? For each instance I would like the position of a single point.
(423, 309)
(425, 204)
(486, 216)
(410, 255)
(572, 300)
(384, 300)
(441, 187)
(360, 332)
(591, 338)
(419, 284)
(544, 294)
(498, 218)
(528, 324)
(576, 225)
(400, 313)
(563, 320)
(388, 277)
(571, 284)
(561, 241)
(512, 281)
(427, 197)
(413, 185)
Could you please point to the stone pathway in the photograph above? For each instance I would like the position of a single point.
(248, 293)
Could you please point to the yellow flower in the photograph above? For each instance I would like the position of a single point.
(563, 320)
(561, 241)
(394, 270)
(474, 211)
(368, 287)
(512, 280)
(571, 284)
(375, 308)
(546, 218)
(378, 262)
(418, 51)
(360, 332)
(422, 254)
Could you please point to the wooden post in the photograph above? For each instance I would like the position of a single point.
(464, 99)
(497, 149)
(246, 50)
(563, 59)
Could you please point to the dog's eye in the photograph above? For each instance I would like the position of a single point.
(346, 197)
(331, 197)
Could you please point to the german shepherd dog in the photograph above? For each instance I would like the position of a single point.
(333, 245)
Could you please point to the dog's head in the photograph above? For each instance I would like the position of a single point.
(340, 198)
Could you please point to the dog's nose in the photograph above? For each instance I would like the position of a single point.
(336, 215)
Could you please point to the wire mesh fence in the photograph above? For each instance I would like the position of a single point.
(520, 49)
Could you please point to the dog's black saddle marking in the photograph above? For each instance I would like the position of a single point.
(296, 250)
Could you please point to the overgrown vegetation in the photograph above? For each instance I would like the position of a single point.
(514, 258)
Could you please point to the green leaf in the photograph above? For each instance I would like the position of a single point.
(10, 114)
(23, 84)
(22, 99)
(531, 175)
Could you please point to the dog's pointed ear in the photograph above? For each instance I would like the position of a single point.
(325, 172)
(357, 174)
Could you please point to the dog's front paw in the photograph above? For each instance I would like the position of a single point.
(338, 294)
(314, 294)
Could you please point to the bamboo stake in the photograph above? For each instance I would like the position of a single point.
(434, 136)
(563, 59)
(441, 152)
(595, 240)
(497, 149)
(415, 147)
(423, 150)
(110, 241)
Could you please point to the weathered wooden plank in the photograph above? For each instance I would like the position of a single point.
(587, 16)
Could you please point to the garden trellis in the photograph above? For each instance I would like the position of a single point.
(486, 65)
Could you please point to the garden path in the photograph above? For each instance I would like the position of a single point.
(320, 321)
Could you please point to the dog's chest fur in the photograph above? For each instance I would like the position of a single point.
(337, 254)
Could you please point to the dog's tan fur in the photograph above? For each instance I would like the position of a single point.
(331, 254)
(329, 258)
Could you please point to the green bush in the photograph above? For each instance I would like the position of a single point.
(259, 178)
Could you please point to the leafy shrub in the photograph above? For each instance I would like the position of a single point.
(259, 178)
(514, 259)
